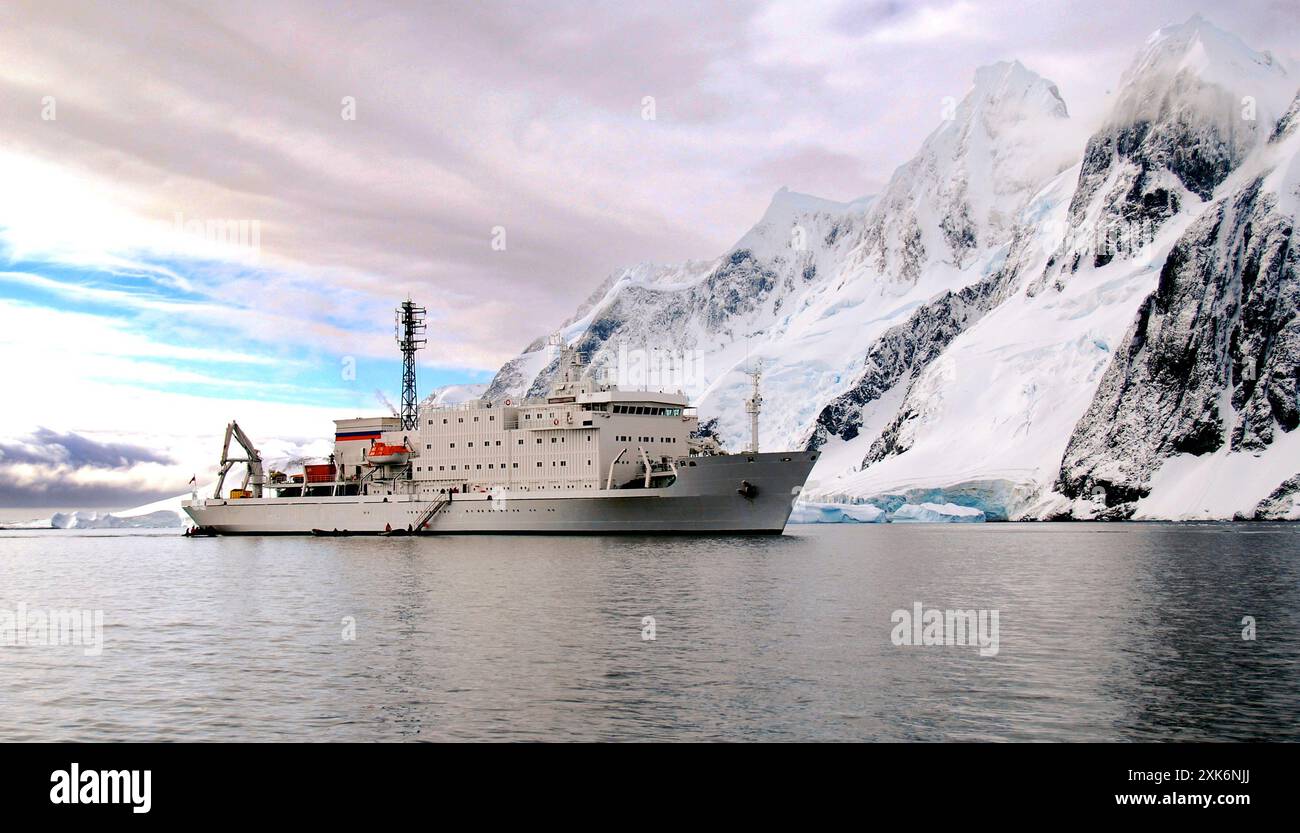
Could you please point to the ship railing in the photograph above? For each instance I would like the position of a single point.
(478, 404)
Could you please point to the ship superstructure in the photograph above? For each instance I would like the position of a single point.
(585, 458)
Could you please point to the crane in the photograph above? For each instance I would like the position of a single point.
(254, 474)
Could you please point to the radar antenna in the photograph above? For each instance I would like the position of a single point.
(410, 330)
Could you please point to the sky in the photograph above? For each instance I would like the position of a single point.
(208, 211)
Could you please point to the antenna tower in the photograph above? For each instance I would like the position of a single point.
(409, 329)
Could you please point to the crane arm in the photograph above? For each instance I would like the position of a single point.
(255, 474)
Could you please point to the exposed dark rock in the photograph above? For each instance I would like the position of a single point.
(1287, 124)
(1221, 327)
(1281, 503)
(1133, 174)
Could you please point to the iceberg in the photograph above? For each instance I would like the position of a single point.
(936, 513)
(162, 519)
(836, 513)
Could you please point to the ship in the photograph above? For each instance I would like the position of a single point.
(586, 458)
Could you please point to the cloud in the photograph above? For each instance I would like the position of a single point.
(946, 23)
(65, 469)
(50, 448)
(66, 495)
(527, 118)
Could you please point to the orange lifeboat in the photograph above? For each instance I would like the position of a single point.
(382, 454)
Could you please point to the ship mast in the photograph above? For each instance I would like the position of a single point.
(753, 405)
(409, 329)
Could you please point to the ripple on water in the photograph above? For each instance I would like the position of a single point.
(1107, 632)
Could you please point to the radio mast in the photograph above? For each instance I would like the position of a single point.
(753, 405)
(409, 330)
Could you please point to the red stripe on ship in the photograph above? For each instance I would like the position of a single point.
(368, 435)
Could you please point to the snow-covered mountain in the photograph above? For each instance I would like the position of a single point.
(454, 394)
(1192, 106)
(989, 420)
(814, 283)
(1014, 324)
(1196, 415)
(963, 189)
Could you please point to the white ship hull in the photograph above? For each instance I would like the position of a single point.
(705, 498)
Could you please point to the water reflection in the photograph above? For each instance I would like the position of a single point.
(1107, 632)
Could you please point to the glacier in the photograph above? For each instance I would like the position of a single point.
(836, 513)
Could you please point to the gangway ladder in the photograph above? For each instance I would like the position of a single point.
(432, 509)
